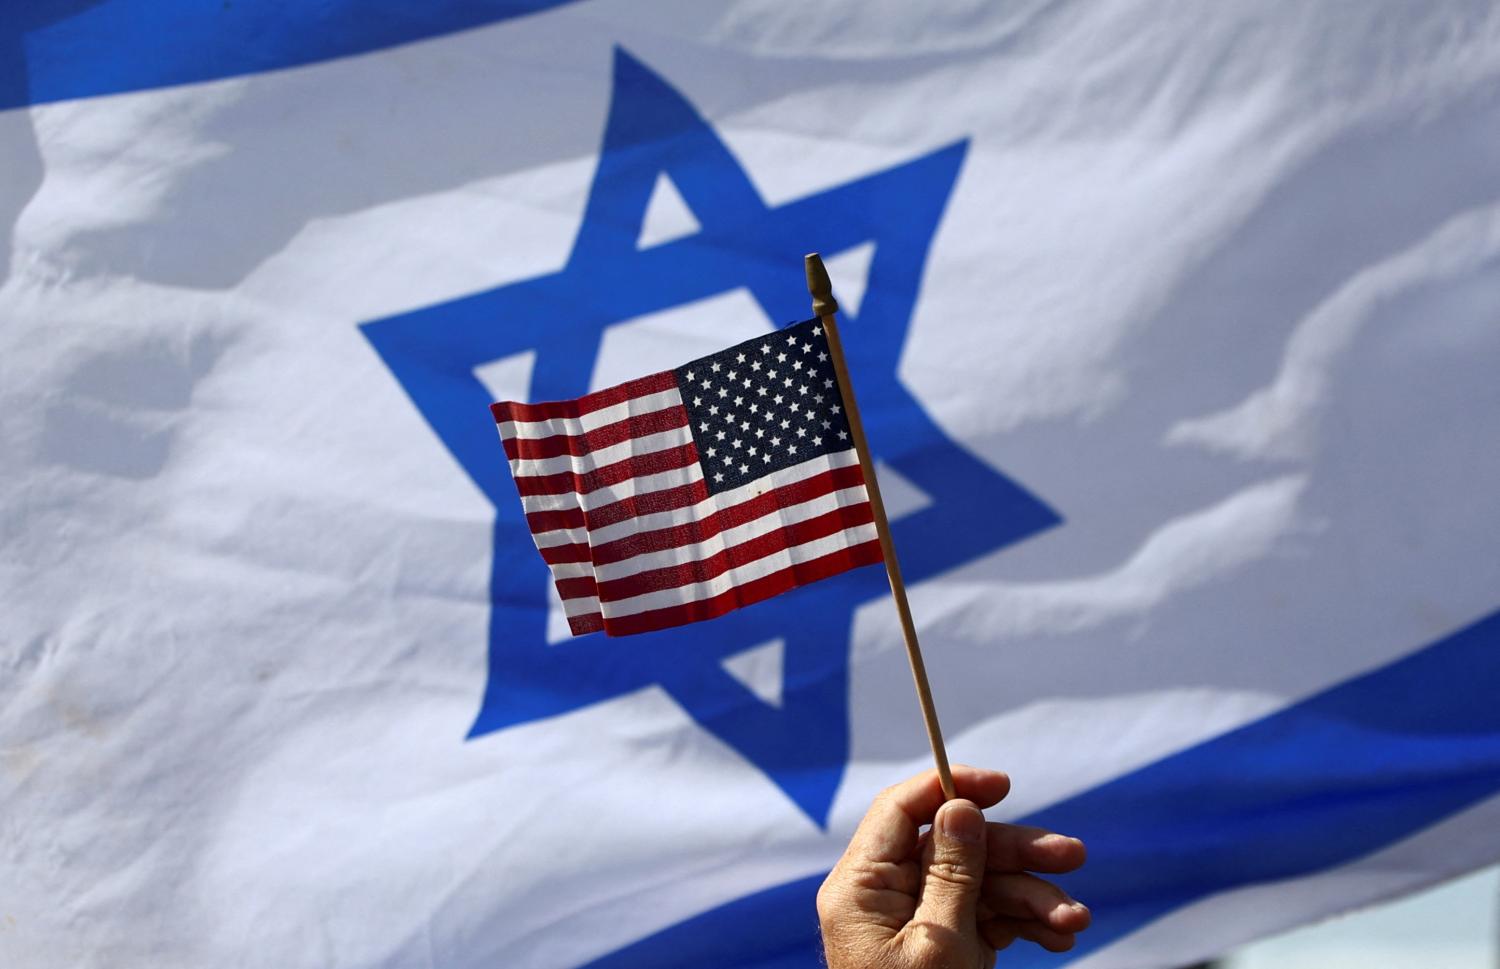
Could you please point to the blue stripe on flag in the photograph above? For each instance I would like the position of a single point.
(1316, 785)
(78, 49)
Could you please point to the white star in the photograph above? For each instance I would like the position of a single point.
(792, 339)
(738, 400)
(719, 436)
(778, 398)
(796, 407)
(802, 389)
(770, 375)
(740, 358)
(689, 376)
(796, 364)
(801, 432)
(744, 469)
(697, 401)
(791, 449)
(817, 442)
(765, 348)
(761, 391)
(818, 398)
(718, 476)
(827, 384)
(723, 392)
(730, 418)
(714, 409)
(843, 435)
(703, 425)
(817, 331)
(766, 457)
(754, 408)
(752, 452)
(754, 364)
(744, 425)
(781, 358)
(716, 366)
(736, 443)
(747, 383)
(826, 425)
(836, 408)
(712, 451)
(785, 425)
(760, 432)
(776, 441)
(822, 357)
(732, 375)
(807, 346)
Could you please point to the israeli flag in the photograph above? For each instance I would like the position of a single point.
(1177, 336)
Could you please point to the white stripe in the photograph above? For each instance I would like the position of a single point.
(530, 467)
(581, 606)
(571, 570)
(575, 426)
(764, 525)
(749, 572)
(562, 536)
(724, 499)
(629, 488)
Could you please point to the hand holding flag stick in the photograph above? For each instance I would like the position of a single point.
(825, 307)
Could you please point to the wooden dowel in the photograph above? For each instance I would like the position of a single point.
(825, 308)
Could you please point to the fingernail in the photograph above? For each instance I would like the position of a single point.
(961, 821)
(1053, 842)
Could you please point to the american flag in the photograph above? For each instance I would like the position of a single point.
(680, 496)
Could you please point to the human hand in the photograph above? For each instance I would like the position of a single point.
(949, 898)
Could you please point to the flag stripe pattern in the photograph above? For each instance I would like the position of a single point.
(685, 494)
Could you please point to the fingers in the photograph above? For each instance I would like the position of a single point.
(955, 868)
(1028, 898)
(1016, 847)
(889, 830)
(1000, 933)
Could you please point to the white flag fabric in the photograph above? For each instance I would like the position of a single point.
(1177, 334)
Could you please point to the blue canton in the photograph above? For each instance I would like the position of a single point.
(743, 243)
(763, 406)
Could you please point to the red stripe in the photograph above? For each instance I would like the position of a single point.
(550, 521)
(589, 623)
(694, 532)
(577, 445)
(668, 499)
(635, 466)
(561, 554)
(588, 403)
(842, 560)
(709, 567)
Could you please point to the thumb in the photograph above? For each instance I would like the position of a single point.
(955, 868)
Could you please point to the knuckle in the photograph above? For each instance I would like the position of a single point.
(953, 873)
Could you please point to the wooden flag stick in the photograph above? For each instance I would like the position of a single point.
(825, 307)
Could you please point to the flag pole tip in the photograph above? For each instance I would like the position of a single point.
(823, 303)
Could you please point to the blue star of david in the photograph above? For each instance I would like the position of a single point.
(803, 744)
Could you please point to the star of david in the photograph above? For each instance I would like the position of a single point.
(802, 744)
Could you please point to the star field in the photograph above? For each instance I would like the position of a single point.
(764, 405)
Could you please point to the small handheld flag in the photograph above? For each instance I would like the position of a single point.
(682, 495)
